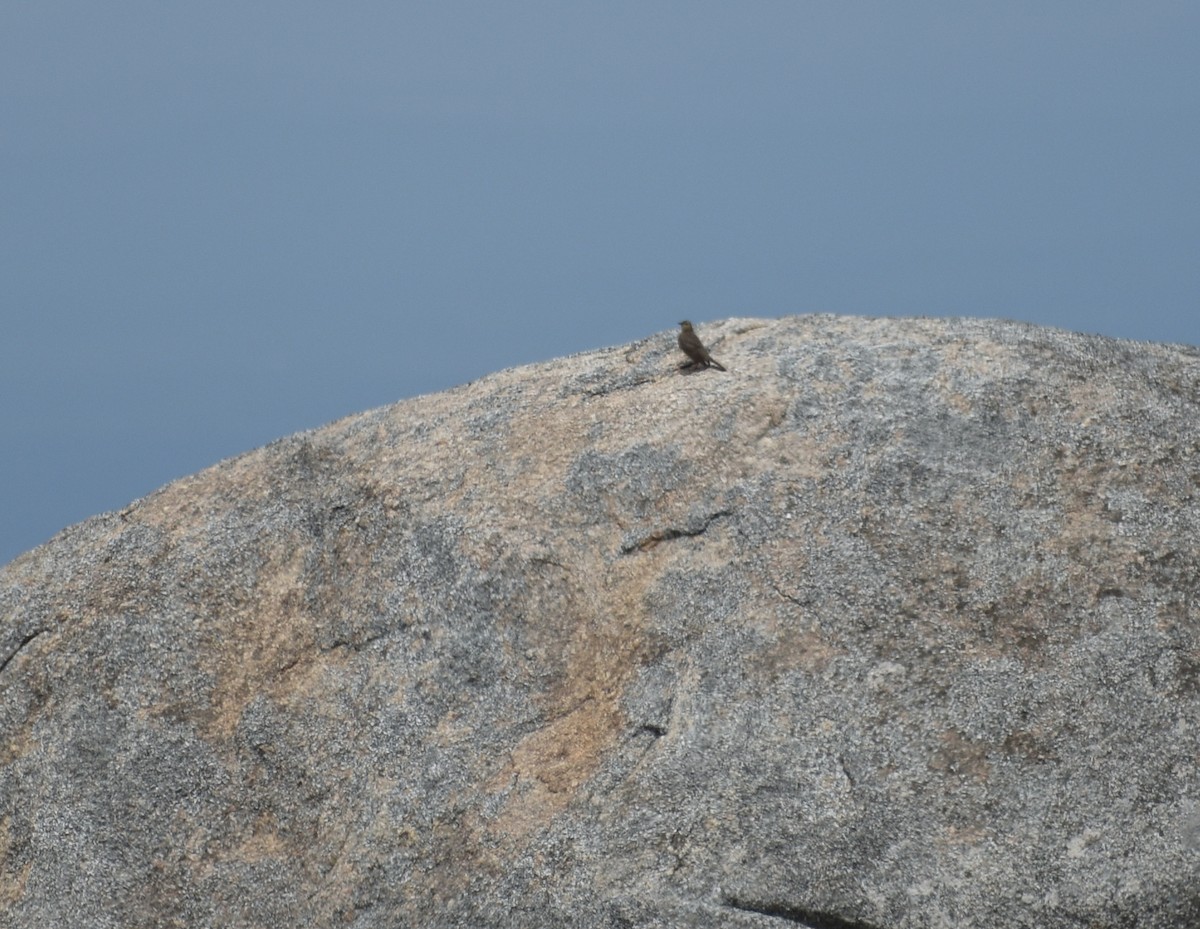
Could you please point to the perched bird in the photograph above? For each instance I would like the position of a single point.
(691, 346)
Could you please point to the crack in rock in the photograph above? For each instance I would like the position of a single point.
(647, 542)
(800, 916)
(20, 645)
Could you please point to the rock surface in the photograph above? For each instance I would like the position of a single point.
(896, 624)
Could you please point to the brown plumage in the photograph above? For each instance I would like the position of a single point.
(691, 346)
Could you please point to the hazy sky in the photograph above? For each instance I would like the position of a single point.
(224, 222)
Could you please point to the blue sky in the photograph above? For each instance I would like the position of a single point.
(221, 223)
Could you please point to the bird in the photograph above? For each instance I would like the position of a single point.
(690, 345)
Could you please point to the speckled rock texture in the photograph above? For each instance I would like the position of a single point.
(895, 625)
